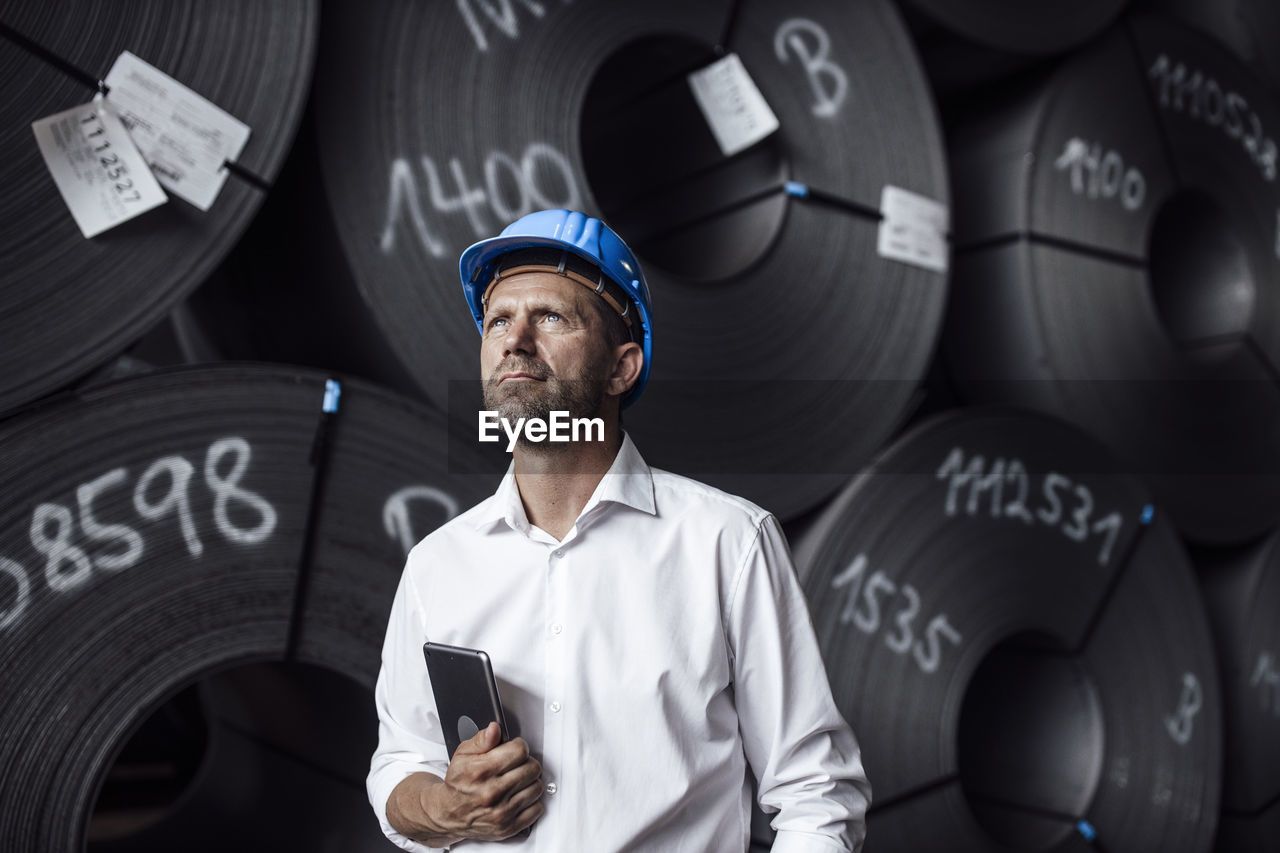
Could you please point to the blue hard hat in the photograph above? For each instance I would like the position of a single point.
(587, 238)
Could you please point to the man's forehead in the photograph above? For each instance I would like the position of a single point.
(544, 286)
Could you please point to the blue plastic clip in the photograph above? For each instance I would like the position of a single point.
(797, 189)
(1086, 829)
(332, 391)
(1148, 513)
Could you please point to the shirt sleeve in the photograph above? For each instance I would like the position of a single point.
(409, 733)
(805, 757)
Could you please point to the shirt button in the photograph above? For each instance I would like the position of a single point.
(555, 707)
(557, 553)
(551, 788)
(556, 628)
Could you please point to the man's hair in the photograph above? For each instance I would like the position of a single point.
(615, 330)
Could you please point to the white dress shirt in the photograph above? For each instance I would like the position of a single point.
(646, 659)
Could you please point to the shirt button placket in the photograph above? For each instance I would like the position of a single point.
(554, 742)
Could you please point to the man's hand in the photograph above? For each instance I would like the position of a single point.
(491, 791)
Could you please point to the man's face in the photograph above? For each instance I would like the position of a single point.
(543, 348)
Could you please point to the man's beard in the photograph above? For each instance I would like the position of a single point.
(581, 398)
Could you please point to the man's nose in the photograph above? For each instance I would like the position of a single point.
(519, 337)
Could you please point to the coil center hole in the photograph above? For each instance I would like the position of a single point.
(1030, 743)
(659, 175)
(1201, 279)
(153, 770)
(224, 764)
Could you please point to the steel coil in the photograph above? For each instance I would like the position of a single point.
(1018, 643)
(285, 293)
(1242, 591)
(1249, 28)
(158, 530)
(1021, 28)
(787, 348)
(69, 304)
(1116, 265)
(973, 47)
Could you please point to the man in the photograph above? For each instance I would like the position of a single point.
(646, 630)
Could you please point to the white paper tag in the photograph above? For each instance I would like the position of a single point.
(185, 137)
(737, 113)
(101, 174)
(914, 229)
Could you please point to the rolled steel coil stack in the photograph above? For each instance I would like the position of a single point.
(158, 530)
(1117, 265)
(1015, 633)
(1071, 213)
(775, 313)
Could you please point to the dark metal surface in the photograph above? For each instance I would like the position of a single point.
(281, 738)
(1250, 28)
(1023, 28)
(1014, 645)
(115, 598)
(1242, 594)
(1116, 267)
(68, 304)
(765, 304)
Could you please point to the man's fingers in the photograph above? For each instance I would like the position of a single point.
(523, 808)
(530, 815)
(501, 758)
(528, 772)
(501, 790)
(482, 741)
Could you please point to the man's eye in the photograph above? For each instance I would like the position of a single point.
(554, 317)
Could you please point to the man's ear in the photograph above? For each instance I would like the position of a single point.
(627, 362)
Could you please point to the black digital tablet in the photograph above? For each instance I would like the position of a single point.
(465, 690)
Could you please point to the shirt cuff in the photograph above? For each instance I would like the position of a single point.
(380, 789)
(791, 841)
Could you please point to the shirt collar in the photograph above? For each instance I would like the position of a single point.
(628, 482)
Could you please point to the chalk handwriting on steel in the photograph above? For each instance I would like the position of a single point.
(177, 500)
(1095, 174)
(1267, 679)
(504, 177)
(1201, 97)
(1181, 723)
(864, 606)
(812, 47)
(115, 546)
(226, 488)
(404, 192)
(18, 575)
(502, 14)
(1071, 518)
(395, 512)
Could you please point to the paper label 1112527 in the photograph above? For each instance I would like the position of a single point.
(98, 170)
